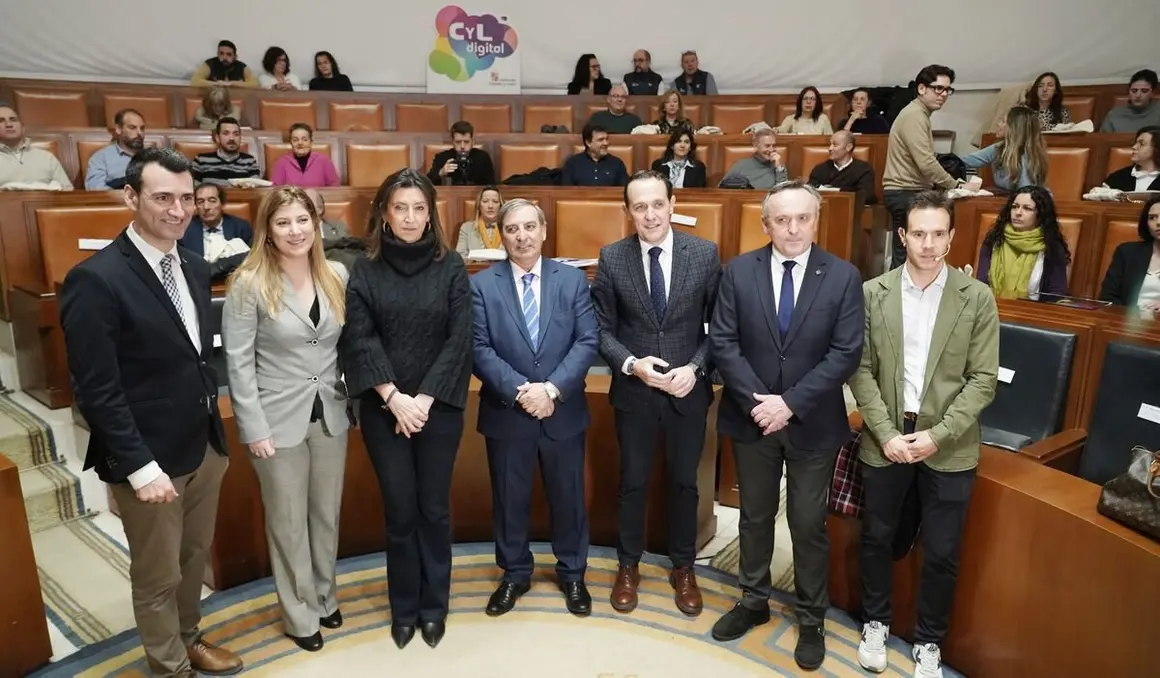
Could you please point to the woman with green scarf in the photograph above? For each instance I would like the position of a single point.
(1025, 254)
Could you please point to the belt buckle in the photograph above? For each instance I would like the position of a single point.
(910, 416)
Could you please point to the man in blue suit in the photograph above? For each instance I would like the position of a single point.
(535, 337)
(212, 222)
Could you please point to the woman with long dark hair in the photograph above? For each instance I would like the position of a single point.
(808, 117)
(1133, 278)
(1046, 98)
(679, 163)
(588, 78)
(406, 352)
(327, 76)
(1025, 254)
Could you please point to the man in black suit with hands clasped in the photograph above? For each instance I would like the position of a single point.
(136, 320)
(654, 294)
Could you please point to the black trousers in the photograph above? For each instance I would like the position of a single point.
(808, 479)
(639, 434)
(415, 481)
(943, 499)
(512, 462)
(897, 203)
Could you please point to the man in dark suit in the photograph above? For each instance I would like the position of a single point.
(136, 320)
(654, 292)
(786, 334)
(535, 337)
(211, 223)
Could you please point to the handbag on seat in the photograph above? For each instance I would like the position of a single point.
(1134, 497)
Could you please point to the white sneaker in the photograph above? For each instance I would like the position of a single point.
(927, 661)
(872, 649)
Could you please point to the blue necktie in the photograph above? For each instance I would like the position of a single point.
(785, 301)
(531, 310)
(656, 283)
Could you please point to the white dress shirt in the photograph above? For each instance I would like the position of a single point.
(148, 473)
(777, 268)
(666, 260)
(919, 311)
(213, 238)
(518, 275)
(1144, 179)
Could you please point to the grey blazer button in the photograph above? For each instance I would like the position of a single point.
(314, 379)
(313, 342)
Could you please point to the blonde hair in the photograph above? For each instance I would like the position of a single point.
(216, 102)
(1023, 138)
(479, 201)
(664, 99)
(261, 273)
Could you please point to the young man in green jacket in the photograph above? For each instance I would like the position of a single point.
(929, 366)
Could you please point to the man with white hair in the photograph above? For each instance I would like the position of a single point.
(764, 169)
(692, 79)
(615, 120)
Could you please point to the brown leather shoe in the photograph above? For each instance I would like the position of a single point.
(623, 596)
(685, 591)
(212, 660)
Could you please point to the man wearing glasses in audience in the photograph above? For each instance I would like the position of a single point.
(642, 79)
(616, 120)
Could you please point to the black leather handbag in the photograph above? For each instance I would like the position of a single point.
(1134, 497)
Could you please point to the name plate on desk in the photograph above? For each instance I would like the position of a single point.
(92, 244)
(683, 219)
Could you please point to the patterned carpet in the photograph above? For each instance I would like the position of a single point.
(655, 640)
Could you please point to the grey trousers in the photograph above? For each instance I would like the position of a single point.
(302, 496)
(809, 474)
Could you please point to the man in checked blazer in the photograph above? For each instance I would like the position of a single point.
(654, 294)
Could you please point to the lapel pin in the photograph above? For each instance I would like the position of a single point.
(817, 271)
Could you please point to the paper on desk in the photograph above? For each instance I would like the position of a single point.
(683, 219)
(578, 263)
(487, 255)
(1149, 413)
(93, 244)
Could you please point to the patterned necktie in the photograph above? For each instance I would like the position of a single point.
(785, 301)
(531, 310)
(170, 284)
(656, 283)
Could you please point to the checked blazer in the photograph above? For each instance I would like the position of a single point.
(629, 326)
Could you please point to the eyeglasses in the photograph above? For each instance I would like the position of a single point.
(940, 90)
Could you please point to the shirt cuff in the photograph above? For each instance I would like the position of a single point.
(145, 475)
(624, 367)
(553, 392)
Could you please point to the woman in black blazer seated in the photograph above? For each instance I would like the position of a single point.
(1144, 172)
(588, 78)
(406, 352)
(1133, 277)
(679, 163)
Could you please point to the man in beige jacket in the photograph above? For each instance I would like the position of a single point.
(23, 163)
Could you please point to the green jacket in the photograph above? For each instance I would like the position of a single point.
(961, 370)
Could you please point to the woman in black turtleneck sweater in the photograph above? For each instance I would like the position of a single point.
(406, 354)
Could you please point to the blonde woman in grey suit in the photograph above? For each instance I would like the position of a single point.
(280, 327)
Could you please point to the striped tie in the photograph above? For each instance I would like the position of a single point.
(531, 310)
(170, 285)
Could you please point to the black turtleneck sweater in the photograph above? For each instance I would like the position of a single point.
(409, 322)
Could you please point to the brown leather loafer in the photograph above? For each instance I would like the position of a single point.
(623, 596)
(212, 660)
(685, 591)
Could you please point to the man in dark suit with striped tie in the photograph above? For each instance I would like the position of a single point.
(654, 294)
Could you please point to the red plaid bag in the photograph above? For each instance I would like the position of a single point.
(846, 487)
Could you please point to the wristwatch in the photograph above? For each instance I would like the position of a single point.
(631, 367)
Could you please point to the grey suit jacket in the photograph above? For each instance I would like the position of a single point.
(629, 326)
(277, 364)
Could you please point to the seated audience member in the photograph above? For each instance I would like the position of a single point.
(1144, 172)
(463, 164)
(764, 169)
(331, 229)
(588, 78)
(692, 79)
(594, 167)
(642, 79)
(1025, 254)
(215, 105)
(1141, 111)
(212, 228)
(20, 161)
(808, 117)
(482, 232)
(107, 166)
(672, 112)
(228, 161)
(337, 241)
(303, 167)
(1133, 278)
(845, 172)
(679, 163)
(862, 120)
(277, 74)
(1046, 98)
(224, 68)
(327, 77)
(1019, 158)
(615, 119)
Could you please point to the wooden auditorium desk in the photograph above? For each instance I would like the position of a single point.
(240, 555)
(24, 642)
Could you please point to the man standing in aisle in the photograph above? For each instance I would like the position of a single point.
(654, 292)
(922, 422)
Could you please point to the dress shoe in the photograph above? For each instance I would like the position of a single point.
(433, 631)
(333, 621)
(212, 660)
(309, 643)
(737, 622)
(577, 598)
(623, 596)
(402, 634)
(811, 647)
(685, 591)
(505, 597)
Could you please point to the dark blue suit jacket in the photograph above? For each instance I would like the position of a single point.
(504, 358)
(232, 227)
